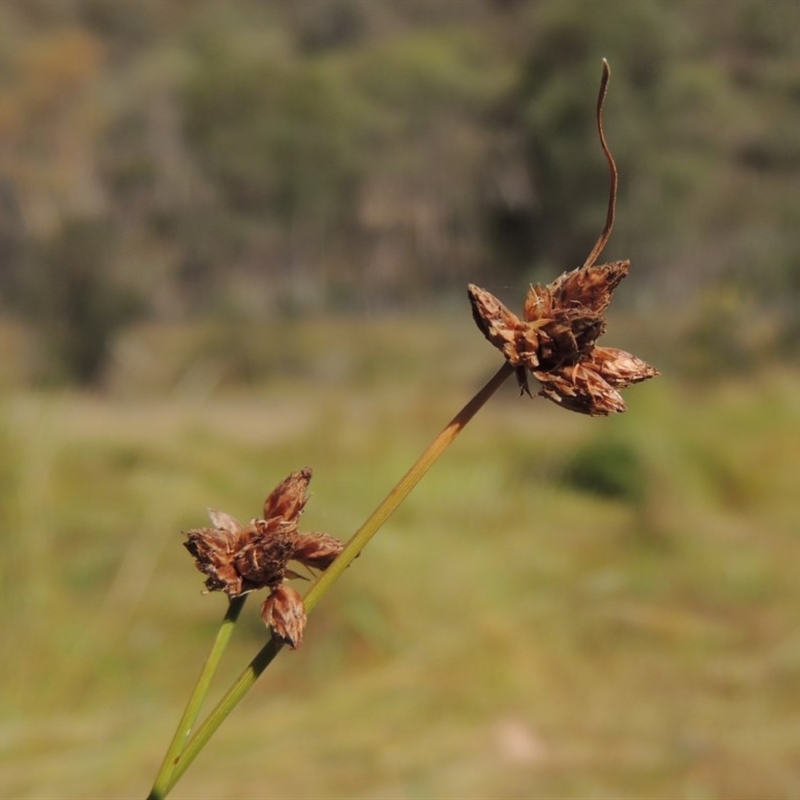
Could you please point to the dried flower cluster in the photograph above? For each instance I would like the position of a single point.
(556, 338)
(239, 559)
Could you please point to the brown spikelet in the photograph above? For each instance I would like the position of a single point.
(284, 612)
(499, 325)
(620, 369)
(590, 288)
(289, 497)
(213, 551)
(590, 386)
(317, 550)
(579, 388)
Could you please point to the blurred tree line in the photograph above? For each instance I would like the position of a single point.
(170, 159)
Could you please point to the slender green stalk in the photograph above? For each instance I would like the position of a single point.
(217, 716)
(354, 546)
(189, 717)
(360, 538)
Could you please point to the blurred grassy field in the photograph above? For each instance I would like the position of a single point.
(565, 607)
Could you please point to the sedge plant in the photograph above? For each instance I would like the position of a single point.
(554, 341)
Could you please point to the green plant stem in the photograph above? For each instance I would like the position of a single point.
(187, 721)
(414, 475)
(217, 716)
(351, 550)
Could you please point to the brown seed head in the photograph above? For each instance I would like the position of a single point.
(238, 559)
(284, 612)
(556, 338)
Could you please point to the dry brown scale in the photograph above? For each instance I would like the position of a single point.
(239, 559)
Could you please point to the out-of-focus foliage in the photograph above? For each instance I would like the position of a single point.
(565, 607)
(255, 158)
(71, 293)
(607, 468)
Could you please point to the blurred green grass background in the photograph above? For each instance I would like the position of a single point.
(234, 241)
(566, 607)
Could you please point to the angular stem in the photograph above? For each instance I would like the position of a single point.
(163, 779)
(353, 547)
(390, 503)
